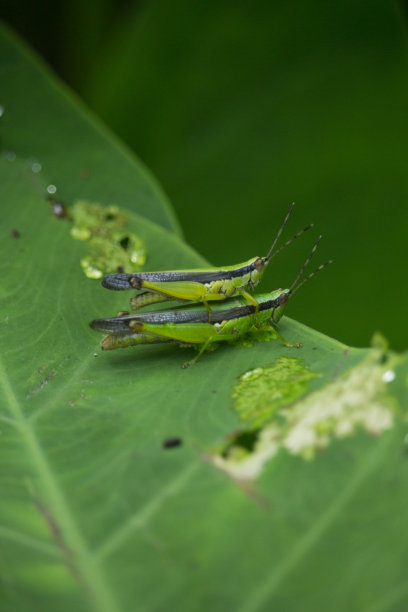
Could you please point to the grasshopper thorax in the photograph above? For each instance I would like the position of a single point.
(256, 267)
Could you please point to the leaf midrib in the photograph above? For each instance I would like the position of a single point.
(90, 571)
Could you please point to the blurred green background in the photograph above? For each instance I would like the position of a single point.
(240, 108)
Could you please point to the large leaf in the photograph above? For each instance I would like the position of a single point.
(98, 513)
(287, 488)
(43, 123)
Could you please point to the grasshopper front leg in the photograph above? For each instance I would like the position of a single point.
(203, 348)
(250, 298)
(273, 329)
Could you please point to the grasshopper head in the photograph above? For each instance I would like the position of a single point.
(281, 302)
(257, 264)
(260, 263)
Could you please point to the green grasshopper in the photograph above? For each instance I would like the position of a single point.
(190, 325)
(202, 285)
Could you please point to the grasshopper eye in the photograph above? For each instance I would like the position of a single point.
(259, 263)
(283, 298)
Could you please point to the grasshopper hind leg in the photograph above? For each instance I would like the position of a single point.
(146, 298)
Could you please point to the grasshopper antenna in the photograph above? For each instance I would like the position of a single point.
(293, 287)
(270, 254)
(268, 257)
(302, 231)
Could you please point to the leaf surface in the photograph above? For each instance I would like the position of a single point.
(98, 512)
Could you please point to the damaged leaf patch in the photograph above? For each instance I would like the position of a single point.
(262, 391)
(112, 246)
(358, 400)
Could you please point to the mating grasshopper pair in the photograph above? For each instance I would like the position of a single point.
(198, 324)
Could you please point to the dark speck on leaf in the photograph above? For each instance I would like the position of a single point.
(172, 442)
(15, 234)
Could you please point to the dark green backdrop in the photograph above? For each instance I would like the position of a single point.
(241, 107)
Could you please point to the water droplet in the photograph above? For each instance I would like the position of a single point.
(388, 376)
(34, 164)
(36, 167)
(1, 110)
(9, 155)
(59, 210)
(51, 189)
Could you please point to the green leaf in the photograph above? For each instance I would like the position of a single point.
(43, 122)
(130, 483)
(98, 513)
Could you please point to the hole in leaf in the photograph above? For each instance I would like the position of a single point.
(124, 243)
(243, 439)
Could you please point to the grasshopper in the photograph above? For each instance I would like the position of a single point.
(201, 285)
(190, 326)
